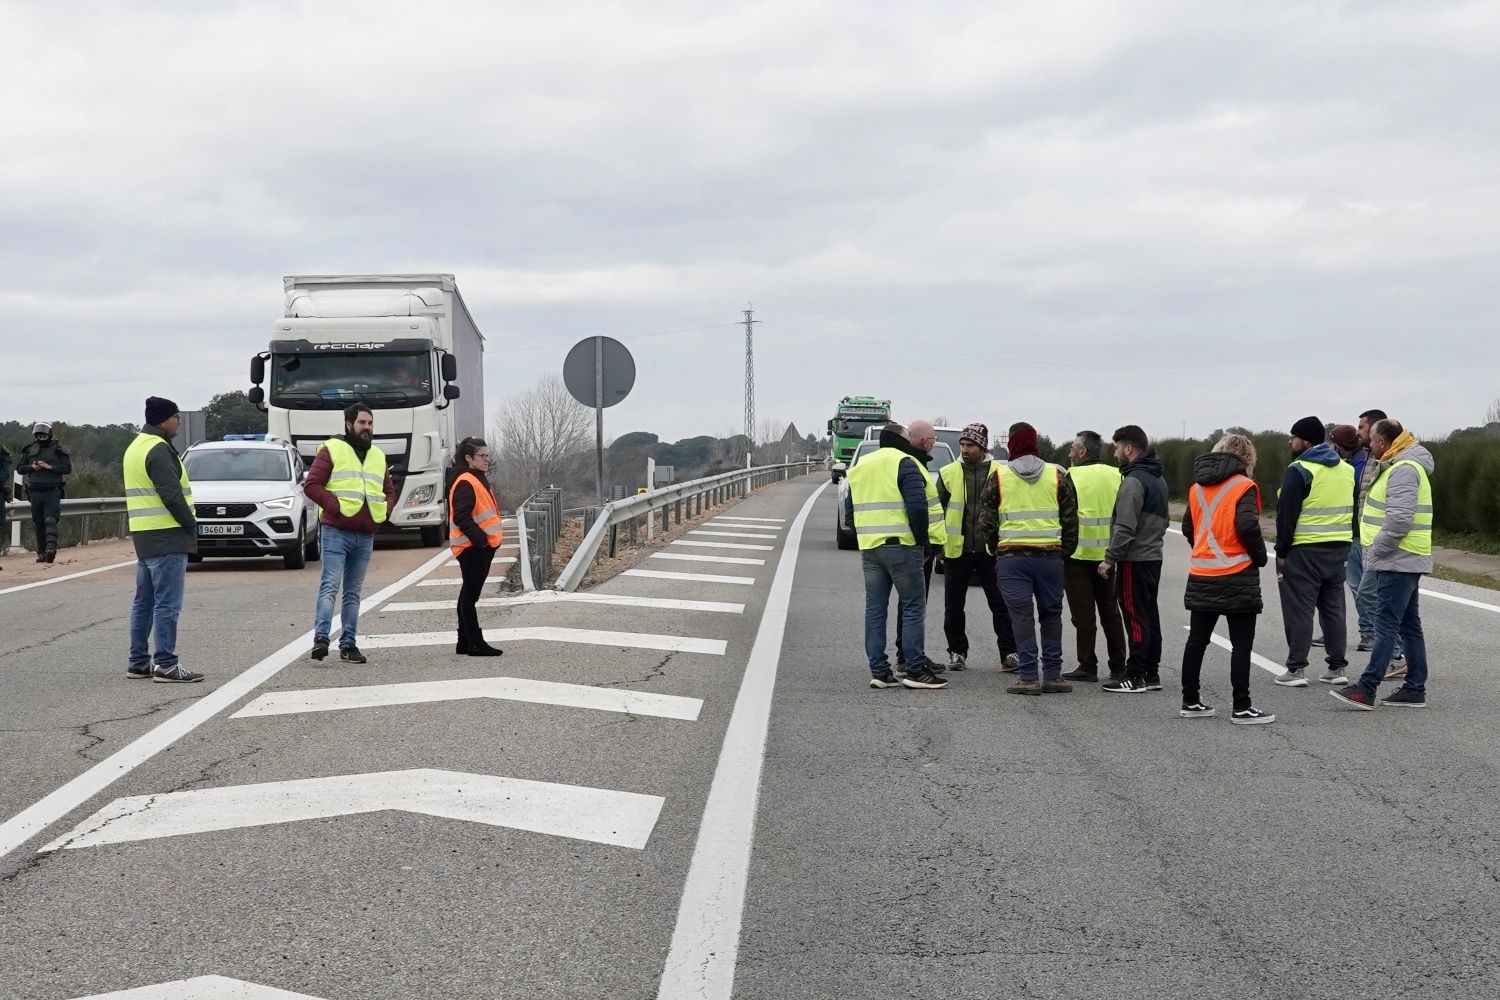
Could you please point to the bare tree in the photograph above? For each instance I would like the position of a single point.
(540, 434)
(1492, 416)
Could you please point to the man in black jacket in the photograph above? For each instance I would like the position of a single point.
(1136, 532)
(45, 463)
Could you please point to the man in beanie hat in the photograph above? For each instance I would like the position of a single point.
(966, 555)
(1137, 530)
(45, 464)
(1314, 526)
(159, 503)
(1029, 513)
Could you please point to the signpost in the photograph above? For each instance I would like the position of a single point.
(599, 372)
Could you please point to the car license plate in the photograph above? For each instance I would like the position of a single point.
(221, 529)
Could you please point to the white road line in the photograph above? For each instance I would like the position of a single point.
(724, 545)
(591, 597)
(601, 815)
(705, 942)
(663, 706)
(731, 517)
(729, 534)
(743, 527)
(1255, 658)
(454, 581)
(202, 988)
(550, 633)
(37, 817)
(1460, 600)
(656, 574)
(689, 557)
(71, 576)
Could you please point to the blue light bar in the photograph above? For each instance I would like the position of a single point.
(244, 437)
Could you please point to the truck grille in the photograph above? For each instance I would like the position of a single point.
(230, 511)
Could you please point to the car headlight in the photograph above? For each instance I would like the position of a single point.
(280, 503)
(421, 496)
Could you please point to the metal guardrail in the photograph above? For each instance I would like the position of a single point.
(86, 508)
(693, 497)
(541, 514)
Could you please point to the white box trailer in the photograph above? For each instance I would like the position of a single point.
(403, 344)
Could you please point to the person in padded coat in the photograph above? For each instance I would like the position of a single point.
(1220, 581)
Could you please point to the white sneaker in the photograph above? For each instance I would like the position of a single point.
(958, 661)
(1292, 678)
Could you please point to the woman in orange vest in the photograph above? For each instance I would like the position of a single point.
(474, 535)
(1222, 524)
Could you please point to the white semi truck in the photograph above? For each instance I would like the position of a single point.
(400, 343)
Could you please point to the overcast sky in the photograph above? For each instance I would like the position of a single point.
(1079, 214)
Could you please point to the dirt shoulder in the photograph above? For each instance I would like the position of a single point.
(21, 566)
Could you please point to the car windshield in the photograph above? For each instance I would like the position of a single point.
(949, 437)
(333, 381)
(941, 454)
(217, 465)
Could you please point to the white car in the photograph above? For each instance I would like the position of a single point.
(247, 494)
(843, 530)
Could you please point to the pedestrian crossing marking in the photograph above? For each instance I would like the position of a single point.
(689, 557)
(657, 574)
(549, 633)
(202, 988)
(724, 545)
(729, 534)
(545, 597)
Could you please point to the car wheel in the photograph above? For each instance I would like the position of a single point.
(845, 539)
(313, 550)
(296, 557)
(194, 558)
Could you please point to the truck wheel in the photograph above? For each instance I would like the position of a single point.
(296, 557)
(432, 536)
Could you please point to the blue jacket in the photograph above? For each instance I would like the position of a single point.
(911, 481)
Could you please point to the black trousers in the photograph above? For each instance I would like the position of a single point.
(46, 511)
(1087, 593)
(474, 562)
(1241, 637)
(928, 559)
(1138, 586)
(956, 576)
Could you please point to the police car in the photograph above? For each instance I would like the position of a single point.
(247, 491)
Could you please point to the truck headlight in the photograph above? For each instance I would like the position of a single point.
(280, 503)
(421, 496)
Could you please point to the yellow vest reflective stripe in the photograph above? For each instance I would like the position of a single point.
(1097, 486)
(879, 510)
(142, 503)
(937, 531)
(952, 475)
(1029, 512)
(357, 483)
(1418, 540)
(1328, 510)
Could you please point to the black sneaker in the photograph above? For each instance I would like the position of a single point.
(1317, 640)
(175, 675)
(1196, 710)
(1404, 698)
(351, 654)
(1153, 683)
(1365, 644)
(1251, 717)
(1125, 685)
(1082, 676)
(138, 672)
(884, 679)
(320, 647)
(923, 677)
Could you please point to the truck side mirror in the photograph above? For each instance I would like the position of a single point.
(450, 369)
(450, 391)
(257, 396)
(257, 370)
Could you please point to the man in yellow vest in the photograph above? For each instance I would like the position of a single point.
(1097, 485)
(349, 480)
(893, 506)
(921, 438)
(164, 529)
(1029, 513)
(966, 555)
(1314, 526)
(1396, 535)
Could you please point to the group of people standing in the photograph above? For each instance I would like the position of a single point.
(1355, 510)
(44, 466)
(351, 484)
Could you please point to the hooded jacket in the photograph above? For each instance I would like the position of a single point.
(1385, 554)
(1029, 468)
(1141, 516)
(1295, 484)
(1238, 593)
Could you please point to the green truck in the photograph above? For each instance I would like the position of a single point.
(854, 415)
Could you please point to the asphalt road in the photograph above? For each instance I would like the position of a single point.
(959, 843)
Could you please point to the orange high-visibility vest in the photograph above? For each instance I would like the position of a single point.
(1217, 550)
(486, 515)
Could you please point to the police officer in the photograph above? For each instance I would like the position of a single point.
(45, 463)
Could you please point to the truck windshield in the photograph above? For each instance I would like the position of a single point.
(854, 427)
(260, 465)
(333, 381)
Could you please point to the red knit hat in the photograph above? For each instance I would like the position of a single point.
(1022, 441)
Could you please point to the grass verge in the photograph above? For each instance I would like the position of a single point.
(1459, 576)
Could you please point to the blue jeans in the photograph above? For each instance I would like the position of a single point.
(158, 603)
(1367, 602)
(1024, 579)
(1397, 615)
(899, 567)
(346, 556)
(1364, 604)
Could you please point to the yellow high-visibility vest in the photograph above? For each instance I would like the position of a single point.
(1328, 510)
(1030, 513)
(879, 509)
(357, 483)
(1418, 540)
(953, 478)
(1097, 486)
(143, 503)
